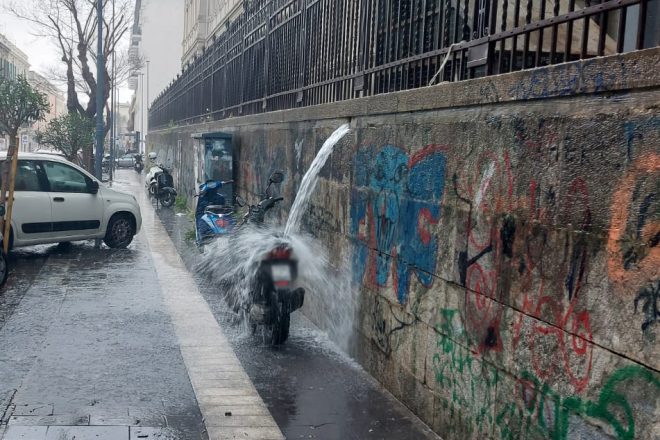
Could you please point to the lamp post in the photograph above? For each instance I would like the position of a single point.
(100, 80)
(146, 109)
(142, 135)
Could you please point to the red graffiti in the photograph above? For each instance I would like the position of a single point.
(549, 262)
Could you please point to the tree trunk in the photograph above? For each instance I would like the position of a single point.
(87, 158)
(6, 167)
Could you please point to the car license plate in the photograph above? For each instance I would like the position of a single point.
(281, 272)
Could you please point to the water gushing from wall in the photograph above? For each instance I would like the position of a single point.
(311, 178)
(330, 299)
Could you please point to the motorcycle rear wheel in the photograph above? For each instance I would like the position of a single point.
(280, 329)
(167, 199)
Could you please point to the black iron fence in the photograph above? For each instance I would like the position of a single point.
(282, 54)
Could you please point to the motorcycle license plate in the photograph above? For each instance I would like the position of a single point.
(281, 272)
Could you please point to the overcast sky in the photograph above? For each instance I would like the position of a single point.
(43, 55)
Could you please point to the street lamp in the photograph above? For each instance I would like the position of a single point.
(142, 135)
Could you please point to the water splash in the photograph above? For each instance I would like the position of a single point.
(311, 178)
(330, 302)
(330, 299)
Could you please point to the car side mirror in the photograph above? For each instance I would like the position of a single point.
(93, 187)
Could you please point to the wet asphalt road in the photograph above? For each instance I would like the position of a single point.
(310, 387)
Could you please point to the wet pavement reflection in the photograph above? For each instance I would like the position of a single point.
(312, 389)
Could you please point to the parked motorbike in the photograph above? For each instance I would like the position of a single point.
(138, 166)
(105, 164)
(273, 295)
(150, 178)
(163, 188)
(213, 218)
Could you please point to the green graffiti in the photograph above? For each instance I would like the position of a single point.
(463, 376)
(472, 399)
(547, 415)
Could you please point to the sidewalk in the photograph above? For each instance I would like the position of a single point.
(115, 345)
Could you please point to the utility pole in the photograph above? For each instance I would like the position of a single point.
(146, 108)
(100, 80)
(142, 135)
(113, 114)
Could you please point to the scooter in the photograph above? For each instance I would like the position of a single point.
(138, 166)
(164, 191)
(150, 178)
(105, 164)
(213, 218)
(273, 296)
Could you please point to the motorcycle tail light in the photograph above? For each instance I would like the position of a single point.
(280, 253)
(221, 223)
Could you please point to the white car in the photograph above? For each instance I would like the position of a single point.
(57, 201)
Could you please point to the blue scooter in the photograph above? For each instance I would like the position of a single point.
(213, 217)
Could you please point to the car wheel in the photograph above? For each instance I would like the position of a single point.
(121, 230)
(4, 268)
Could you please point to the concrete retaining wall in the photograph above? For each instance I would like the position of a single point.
(505, 232)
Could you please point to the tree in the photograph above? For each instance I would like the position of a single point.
(20, 104)
(71, 25)
(69, 134)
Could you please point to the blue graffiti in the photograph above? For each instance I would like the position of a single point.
(395, 203)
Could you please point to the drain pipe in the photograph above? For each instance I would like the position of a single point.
(442, 66)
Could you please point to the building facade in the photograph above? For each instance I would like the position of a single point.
(13, 63)
(204, 20)
(156, 25)
(57, 107)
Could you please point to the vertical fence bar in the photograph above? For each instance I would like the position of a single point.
(528, 20)
(621, 29)
(585, 38)
(514, 42)
(539, 47)
(641, 25)
(602, 34)
(501, 69)
(569, 33)
(554, 36)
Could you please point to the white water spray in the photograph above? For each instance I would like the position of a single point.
(310, 179)
(330, 299)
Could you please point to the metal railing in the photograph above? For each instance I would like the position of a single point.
(282, 54)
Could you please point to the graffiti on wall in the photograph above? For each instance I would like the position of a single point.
(634, 234)
(503, 259)
(468, 405)
(477, 398)
(395, 204)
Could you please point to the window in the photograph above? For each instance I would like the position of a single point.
(27, 176)
(63, 178)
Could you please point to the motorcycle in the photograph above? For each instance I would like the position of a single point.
(273, 296)
(138, 166)
(164, 191)
(213, 218)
